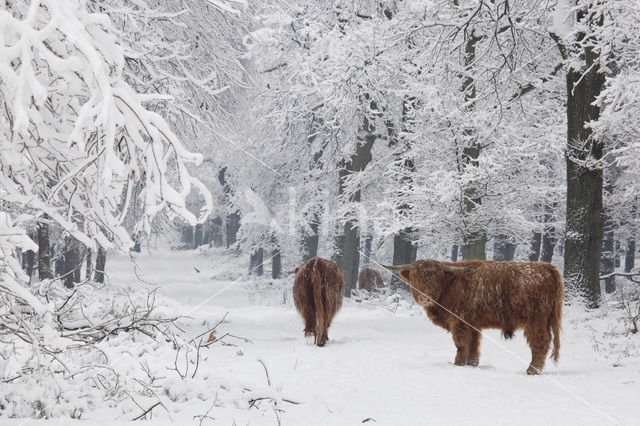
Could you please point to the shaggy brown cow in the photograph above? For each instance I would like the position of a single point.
(318, 290)
(468, 296)
(370, 279)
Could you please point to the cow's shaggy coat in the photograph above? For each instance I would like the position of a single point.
(318, 290)
(468, 296)
(370, 279)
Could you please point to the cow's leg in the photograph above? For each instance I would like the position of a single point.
(309, 322)
(462, 339)
(321, 334)
(539, 339)
(327, 323)
(474, 348)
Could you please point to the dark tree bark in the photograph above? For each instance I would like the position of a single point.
(101, 262)
(89, 270)
(548, 235)
(548, 246)
(368, 240)
(403, 253)
(72, 262)
(583, 234)
(58, 259)
(476, 240)
(187, 235)
(207, 228)
(616, 254)
(199, 235)
(30, 262)
(630, 255)
(503, 248)
(454, 253)
(607, 264)
(276, 264)
(404, 250)
(232, 223)
(217, 234)
(256, 259)
(534, 250)
(348, 242)
(44, 251)
(310, 242)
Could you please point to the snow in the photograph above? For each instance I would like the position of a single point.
(561, 20)
(384, 361)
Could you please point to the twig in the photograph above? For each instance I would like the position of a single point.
(266, 372)
(147, 412)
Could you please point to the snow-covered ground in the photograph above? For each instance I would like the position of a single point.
(385, 363)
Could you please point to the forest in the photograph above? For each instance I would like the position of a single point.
(164, 164)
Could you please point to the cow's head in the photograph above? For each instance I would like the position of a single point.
(427, 278)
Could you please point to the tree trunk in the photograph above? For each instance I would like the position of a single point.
(368, 241)
(217, 235)
(101, 262)
(475, 240)
(548, 236)
(276, 264)
(89, 270)
(606, 258)
(233, 225)
(256, 259)
(630, 255)
(30, 263)
(583, 234)
(454, 253)
(534, 250)
(348, 242)
(199, 235)
(476, 248)
(310, 242)
(503, 248)
(616, 254)
(58, 260)
(403, 253)
(72, 262)
(44, 251)
(187, 235)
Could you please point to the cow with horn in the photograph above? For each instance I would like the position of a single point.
(469, 296)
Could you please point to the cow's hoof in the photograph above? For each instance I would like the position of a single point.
(456, 362)
(532, 371)
(308, 333)
(473, 362)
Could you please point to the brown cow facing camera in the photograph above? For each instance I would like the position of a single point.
(318, 290)
(370, 279)
(471, 295)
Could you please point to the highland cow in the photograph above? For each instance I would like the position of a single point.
(370, 279)
(318, 290)
(466, 297)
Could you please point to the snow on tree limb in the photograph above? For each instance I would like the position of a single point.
(78, 135)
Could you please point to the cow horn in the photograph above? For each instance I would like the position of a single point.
(295, 271)
(398, 268)
(455, 269)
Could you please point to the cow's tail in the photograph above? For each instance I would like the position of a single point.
(555, 319)
(316, 282)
